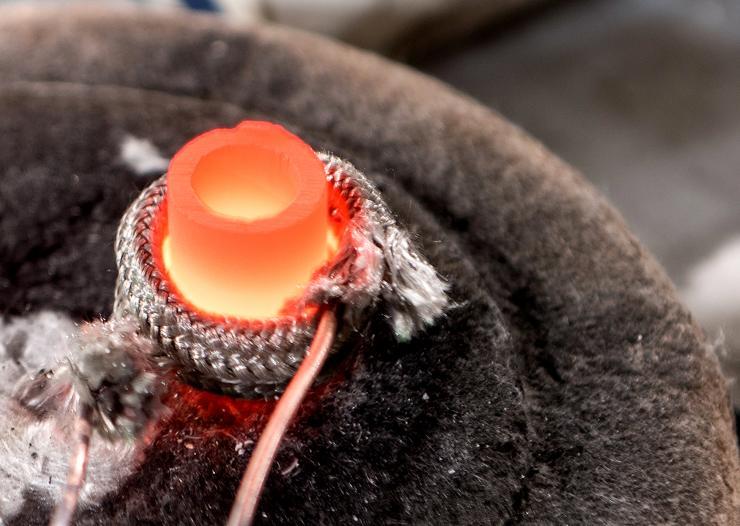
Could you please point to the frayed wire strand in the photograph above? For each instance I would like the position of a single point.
(77, 468)
(250, 488)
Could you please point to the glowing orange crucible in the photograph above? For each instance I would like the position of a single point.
(246, 219)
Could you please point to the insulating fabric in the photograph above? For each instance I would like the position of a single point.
(567, 384)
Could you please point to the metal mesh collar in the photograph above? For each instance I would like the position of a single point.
(375, 267)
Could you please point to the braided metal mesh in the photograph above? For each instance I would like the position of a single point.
(374, 263)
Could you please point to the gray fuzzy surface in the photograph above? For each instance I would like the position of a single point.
(569, 385)
(35, 450)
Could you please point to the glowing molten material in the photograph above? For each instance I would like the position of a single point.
(246, 219)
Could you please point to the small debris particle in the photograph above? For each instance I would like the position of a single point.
(290, 468)
(240, 447)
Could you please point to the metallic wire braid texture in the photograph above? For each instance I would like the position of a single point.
(376, 267)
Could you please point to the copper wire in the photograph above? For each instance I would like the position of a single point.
(77, 469)
(250, 488)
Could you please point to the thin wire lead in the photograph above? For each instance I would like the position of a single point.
(250, 489)
(77, 469)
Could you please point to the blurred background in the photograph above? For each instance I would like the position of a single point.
(642, 96)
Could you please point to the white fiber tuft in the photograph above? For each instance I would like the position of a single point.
(142, 157)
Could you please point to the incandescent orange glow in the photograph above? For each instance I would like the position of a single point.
(246, 220)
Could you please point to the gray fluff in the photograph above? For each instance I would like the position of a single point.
(384, 264)
(35, 441)
(112, 369)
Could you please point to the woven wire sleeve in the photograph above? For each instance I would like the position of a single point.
(375, 264)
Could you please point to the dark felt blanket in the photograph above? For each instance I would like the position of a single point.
(569, 385)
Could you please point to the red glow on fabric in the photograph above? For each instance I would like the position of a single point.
(247, 220)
